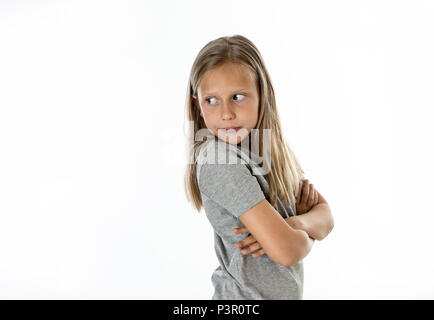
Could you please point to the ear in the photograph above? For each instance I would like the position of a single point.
(196, 103)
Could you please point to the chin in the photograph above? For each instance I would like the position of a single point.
(233, 140)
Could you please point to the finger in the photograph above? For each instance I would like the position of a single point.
(245, 242)
(300, 185)
(305, 192)
(258, 253)
(316, 198)
(240, 230)
(311, 195)
(254, 246)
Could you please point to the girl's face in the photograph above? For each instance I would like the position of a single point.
(228, 96)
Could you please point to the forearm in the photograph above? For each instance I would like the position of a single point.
(302, 248)
(317, 223)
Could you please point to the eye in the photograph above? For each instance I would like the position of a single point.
(209, 99)
(238, 94)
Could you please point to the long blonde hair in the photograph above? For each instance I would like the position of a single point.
(285, 171)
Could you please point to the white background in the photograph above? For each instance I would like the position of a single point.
(92, 145)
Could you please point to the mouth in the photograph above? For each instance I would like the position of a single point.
(230, 129)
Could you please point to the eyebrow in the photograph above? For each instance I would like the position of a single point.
(213, 93)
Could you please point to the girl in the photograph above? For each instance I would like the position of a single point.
(230, 97)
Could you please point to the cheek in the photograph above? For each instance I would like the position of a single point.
(209, 119)
(250, 115)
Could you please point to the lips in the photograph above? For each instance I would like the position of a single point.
(231, 129)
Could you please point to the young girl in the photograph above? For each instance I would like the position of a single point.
(230, 96)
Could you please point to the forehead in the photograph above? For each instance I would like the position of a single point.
(227, 77)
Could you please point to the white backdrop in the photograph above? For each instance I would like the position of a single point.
(92, 143)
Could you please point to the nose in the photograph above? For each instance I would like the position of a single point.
(227, 112)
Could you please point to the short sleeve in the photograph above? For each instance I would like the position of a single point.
(232, 186)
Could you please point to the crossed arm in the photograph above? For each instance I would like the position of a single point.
(318, 221)
(313, 217)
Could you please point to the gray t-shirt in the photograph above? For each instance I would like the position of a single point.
(228, 190)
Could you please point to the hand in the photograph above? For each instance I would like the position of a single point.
(294, 222)
(307, 197)
(250, 242)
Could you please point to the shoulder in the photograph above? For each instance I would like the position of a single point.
(219, 153)
(230, 185)
(220, 165)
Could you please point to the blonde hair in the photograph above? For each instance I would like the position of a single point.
(285, 171)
